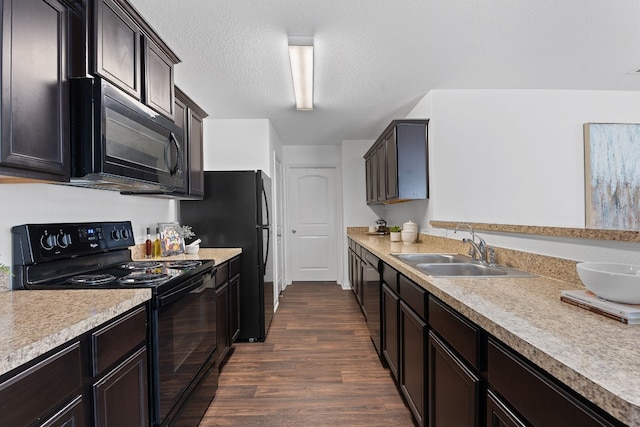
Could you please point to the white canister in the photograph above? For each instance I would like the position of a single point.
(373, 228)
(409, 232)
(409, 236)
(410, 226)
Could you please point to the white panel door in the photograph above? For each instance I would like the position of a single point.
(312, 209)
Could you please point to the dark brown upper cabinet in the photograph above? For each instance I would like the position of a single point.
(158, 78)
(129, 53)
(396, 165)
(38, 41)
(189, 116)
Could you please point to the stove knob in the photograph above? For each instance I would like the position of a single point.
(64, 240)
(47, 242)
(115, 234)
(125, 234)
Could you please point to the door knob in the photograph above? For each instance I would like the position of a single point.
(293, 231)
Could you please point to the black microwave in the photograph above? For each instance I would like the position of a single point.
(118, 143)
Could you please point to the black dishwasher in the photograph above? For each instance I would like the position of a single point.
(371, 295)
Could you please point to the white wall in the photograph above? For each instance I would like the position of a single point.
(311, 155)
(355, 211)
(238, 144)
(46, 203)
(516, 157)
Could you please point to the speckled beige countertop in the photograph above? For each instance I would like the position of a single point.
(597, 357)
(34, 322)
(219, 255)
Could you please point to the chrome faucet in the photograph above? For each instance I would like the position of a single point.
(479, 251)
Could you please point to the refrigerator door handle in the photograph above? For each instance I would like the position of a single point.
(265, 199)
(266, 256)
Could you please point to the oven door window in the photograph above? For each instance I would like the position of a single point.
(186, 340)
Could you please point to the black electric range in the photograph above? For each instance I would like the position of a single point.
(181, 311)
(90, 255)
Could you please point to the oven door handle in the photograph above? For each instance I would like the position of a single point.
(197, 286)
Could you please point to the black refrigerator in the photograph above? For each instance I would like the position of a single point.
(235, 213)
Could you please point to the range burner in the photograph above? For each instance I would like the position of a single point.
(184, 264)
(142, 265)
(143, 278)
(92, 279)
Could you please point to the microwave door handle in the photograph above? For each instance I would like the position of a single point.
(173, 169)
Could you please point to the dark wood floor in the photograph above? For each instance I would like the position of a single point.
(317, 367)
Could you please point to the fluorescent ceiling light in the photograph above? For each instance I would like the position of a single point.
(301, 58)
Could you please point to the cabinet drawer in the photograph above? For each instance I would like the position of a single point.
(372, 260)
(72, 415)
(390, 277)
(222, 274)
(413, 295)
(114, 341)
(533, 391)
(234, 266)
(461, 334)
(42, 388)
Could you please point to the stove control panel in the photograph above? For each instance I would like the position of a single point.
(41, 242)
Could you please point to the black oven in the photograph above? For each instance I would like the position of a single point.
(184, 332)
(119, 143)
(182, 310)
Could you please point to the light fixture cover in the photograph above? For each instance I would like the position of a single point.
(301, 58)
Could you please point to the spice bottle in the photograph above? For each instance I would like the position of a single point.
(157, 248)
(148, 248)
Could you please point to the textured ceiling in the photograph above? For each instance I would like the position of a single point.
(375, 59)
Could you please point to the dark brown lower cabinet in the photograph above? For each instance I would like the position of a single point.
(454, 389)
(537, 399)
(390, 338)
(120, 397)
(227, 296)
(498, 415)
(413, 339)
(223, 339)
(72, 415)
(234, 308)
(234, 298)
(100, 378)
(44, 390)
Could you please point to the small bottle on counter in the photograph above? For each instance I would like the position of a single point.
(148, 248)
(157, 248)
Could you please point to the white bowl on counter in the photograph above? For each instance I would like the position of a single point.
(612, 281)
(192, 249)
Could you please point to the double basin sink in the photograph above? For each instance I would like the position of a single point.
(456, 265)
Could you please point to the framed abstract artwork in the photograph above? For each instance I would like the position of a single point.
(612, 176)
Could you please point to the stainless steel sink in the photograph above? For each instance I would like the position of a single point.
(456, 265)
(415, 259)
(471, 270)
